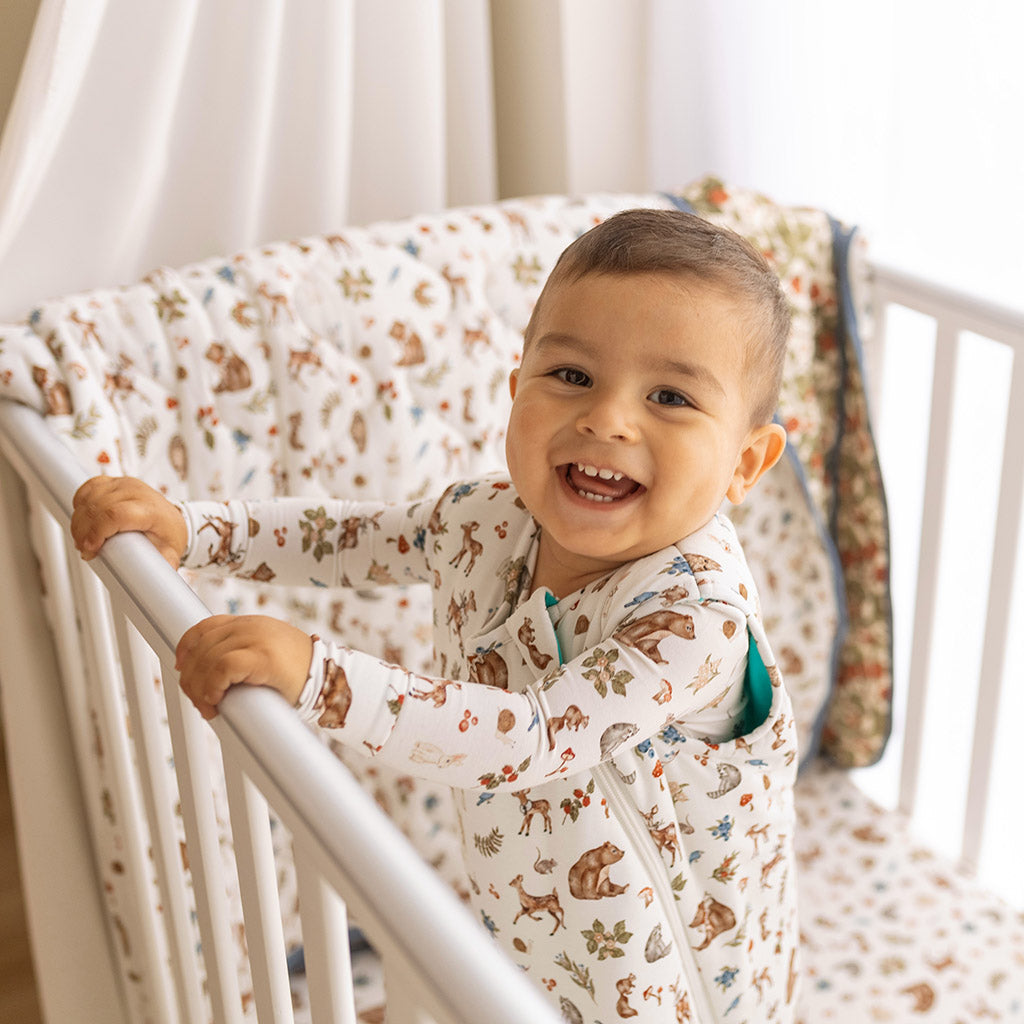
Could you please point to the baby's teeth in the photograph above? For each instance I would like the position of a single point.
(604, 474)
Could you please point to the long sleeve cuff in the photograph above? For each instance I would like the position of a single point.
(190, 538)
(218, 534)
(364, 710)
(306, 704)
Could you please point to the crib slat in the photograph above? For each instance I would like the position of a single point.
(141, 667)
(60, 606)
(261, 905)
(939, 433)
(192, 765)
(997, 627)
(403, 1006)
(73, 953)
(325, 944)
(148, 941)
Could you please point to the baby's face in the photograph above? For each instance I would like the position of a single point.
(629, 419)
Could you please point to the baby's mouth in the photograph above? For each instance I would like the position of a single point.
(600, 486)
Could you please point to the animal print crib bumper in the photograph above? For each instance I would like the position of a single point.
(372, 362)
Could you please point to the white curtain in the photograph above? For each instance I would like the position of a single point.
(149, 132)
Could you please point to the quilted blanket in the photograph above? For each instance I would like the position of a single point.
(373, 363)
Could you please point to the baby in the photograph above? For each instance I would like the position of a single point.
(605, 706)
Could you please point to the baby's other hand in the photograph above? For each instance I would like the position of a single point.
(106, 505)
(223, 650)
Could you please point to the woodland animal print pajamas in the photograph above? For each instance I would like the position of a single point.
(619, 843)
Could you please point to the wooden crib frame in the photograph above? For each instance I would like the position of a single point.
(134, 605)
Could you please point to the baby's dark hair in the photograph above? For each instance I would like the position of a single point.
(672, 242)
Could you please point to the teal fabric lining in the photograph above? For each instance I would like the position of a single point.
(550, 601)
(758, 686)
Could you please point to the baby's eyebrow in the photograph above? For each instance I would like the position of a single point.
(555, 339)
(695, 371)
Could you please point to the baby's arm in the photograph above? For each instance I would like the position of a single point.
(469, 735)
(287, 540)
(299, 541)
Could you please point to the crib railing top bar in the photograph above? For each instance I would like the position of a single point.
(968, 312)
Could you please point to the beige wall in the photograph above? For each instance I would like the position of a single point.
(16, 18)
(565, 121)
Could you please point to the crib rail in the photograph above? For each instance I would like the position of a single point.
(437, 962)
(965, 540)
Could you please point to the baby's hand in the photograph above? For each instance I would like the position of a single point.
(106, 505)
(223, 650)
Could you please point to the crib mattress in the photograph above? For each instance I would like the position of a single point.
(890, 931)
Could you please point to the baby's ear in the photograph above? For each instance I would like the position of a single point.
(763, 448)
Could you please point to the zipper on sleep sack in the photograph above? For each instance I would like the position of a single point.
(624, 812)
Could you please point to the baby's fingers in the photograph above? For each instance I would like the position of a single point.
(223, 650)
(104, 506)
(210, 660)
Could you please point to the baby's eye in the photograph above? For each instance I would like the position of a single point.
(666, 396)
(569, 374)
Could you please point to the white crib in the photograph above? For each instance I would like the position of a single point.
(881, 913)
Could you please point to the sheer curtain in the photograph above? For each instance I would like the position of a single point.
(158, 133)
(148, 133)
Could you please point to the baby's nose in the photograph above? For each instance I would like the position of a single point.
(608, 418)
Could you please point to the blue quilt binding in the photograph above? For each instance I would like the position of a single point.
(851, 350)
